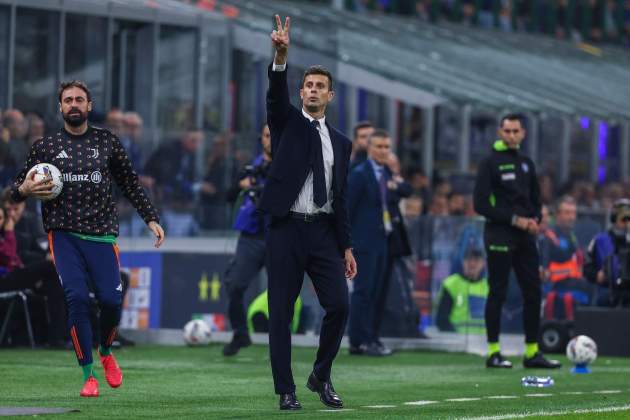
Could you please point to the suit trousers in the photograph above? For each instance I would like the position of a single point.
(367, 286)
(509, 248)
(293, 248)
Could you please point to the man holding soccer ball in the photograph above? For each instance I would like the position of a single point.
(82, 222)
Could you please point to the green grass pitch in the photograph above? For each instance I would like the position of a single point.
(186, 383)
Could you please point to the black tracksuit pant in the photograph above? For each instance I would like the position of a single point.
(507, 248)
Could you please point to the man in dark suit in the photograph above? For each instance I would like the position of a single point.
(371, 224)
(398, 245)
(305, 202)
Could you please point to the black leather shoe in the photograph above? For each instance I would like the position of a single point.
(327, 394)
(496, 360)
(289, 402)
(357, 350)
(237, 343)
(539, 361)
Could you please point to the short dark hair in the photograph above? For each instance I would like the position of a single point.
(513, 117)
(566, 199)
(318, 70)
(380, 133)
(360, 125)
(63, 86)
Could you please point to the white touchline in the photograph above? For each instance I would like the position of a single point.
(335, 410)
(379, 406)
(462, 399)
(574, 393)
(501, 397)
(420, 402)
(550, 413)
(608, 391)
(538, 395)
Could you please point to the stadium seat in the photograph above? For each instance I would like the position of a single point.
(14, 297)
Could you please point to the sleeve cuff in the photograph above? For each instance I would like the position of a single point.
(279, 67)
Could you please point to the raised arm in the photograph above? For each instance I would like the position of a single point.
(278, 93)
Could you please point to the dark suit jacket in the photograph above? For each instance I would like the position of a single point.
(365, 208)
(292, 137)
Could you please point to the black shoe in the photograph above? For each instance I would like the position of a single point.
(496, 360)
(327, 394)
(289, 402)
(238, 342)
(357, 350)
(539, 361)
(384, 349)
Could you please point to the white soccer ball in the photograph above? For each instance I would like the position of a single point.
(47, 171)
(197, 333)
(582, 350)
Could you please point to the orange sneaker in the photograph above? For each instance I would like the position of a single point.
(90, 388)
(113, 374)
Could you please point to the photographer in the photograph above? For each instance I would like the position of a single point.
(250, 249)
(607, 258)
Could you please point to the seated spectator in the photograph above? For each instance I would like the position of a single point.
(173, 173)
(258, 315)
(562, 261)
(16, 124)
(605, 255)
(40, 277)
(463, 297)
(221, 174)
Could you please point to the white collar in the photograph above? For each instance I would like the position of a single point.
(322, 120)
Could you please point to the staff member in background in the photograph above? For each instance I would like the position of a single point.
(463, 297)
(305, 198)
(603, 265)
(371, 224)
(250, 249)
(362, 132)
(507, 195)
(398, 245)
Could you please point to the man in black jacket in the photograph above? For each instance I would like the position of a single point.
(305, 199)
(508, 196)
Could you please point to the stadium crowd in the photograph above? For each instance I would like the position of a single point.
(578, 20)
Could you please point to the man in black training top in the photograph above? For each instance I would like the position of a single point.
(507, 195)
(82, 223)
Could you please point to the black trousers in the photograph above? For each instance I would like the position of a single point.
(507, 248)
(244, 267)
(293, 248)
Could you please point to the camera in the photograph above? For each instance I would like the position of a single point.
(257, 175)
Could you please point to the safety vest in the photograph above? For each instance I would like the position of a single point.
(559, 271)
(569, 269)
(469, 302)
(261, 305)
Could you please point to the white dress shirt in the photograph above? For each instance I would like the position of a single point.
(305, 202)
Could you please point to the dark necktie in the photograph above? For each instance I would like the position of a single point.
(319, 178)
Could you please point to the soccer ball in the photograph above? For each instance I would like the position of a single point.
(48, 172)
(582, 350)
(196, 333)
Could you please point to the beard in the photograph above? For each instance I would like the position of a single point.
(75, 120)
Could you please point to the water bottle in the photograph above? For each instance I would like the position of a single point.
(537, 381)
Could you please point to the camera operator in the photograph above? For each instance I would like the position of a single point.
(607, 258)
(250, 249)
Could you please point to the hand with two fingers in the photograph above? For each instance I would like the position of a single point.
(280, 40)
